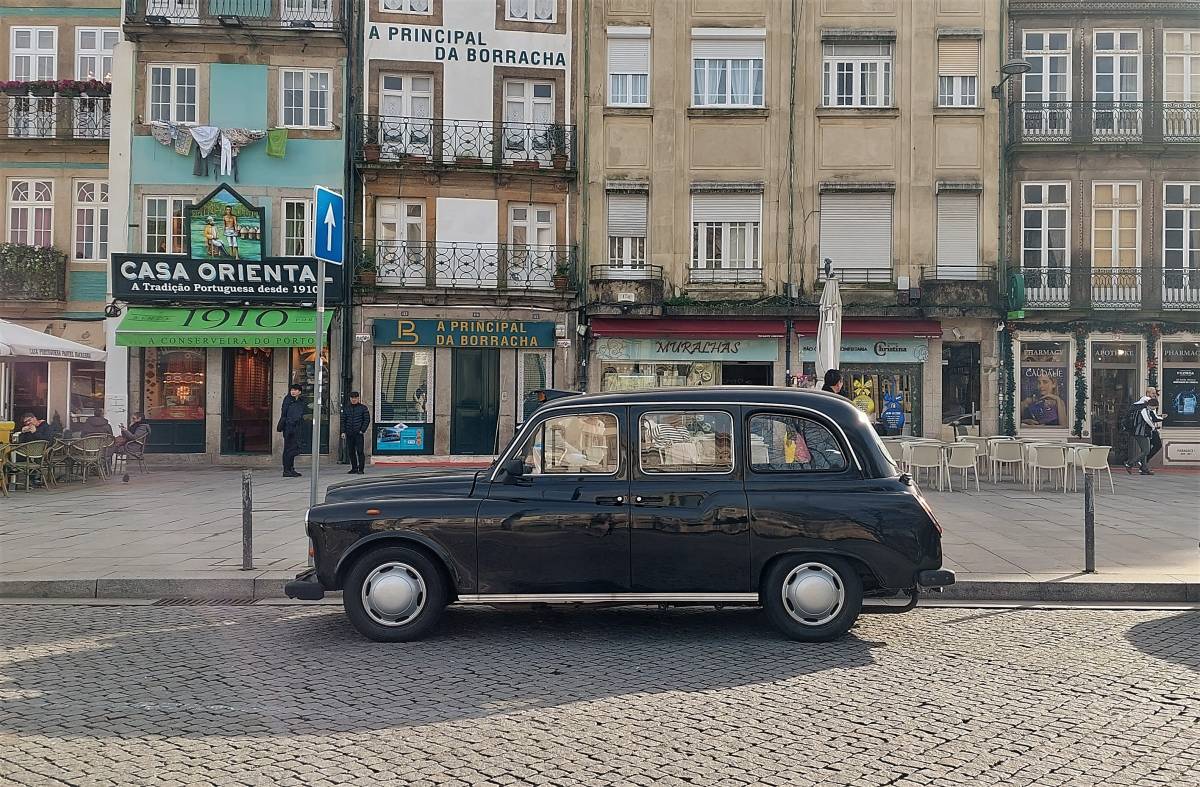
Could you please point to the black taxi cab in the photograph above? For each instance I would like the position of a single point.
(773, 497)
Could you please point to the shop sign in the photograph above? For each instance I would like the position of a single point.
(500, 334)
(1181, 353)
(470, 46)
(1115, 354)
(872, 350)
(1182, 452)
(148, 278)
(219, 327)
(617, 349)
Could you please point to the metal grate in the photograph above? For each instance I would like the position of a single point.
(203, 602)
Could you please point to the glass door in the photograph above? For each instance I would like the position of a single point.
(531, 257)
(405, 115)
(528, 112)
(1118, 85)
(246, 416)
(1114, 387)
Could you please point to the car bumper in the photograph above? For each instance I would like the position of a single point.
(305, 587)
(935, 578)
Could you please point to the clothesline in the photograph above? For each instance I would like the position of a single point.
(209, 141)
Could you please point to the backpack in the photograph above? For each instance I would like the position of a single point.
(1128, 422)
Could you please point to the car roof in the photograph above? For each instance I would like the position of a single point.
(822, 401)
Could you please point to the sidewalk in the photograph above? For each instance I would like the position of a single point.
(177, 533)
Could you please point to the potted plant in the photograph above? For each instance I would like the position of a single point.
(68, 88)
(14, 88)
(371, 142)
(96, 89)
(365, 271)
(558, 146)
(43, 87)
(562, 274)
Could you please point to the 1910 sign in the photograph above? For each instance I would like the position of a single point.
(162, 278)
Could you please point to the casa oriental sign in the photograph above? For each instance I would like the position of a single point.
(161, 278)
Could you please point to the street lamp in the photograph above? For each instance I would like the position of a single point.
(1010, 70)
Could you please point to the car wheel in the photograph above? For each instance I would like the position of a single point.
(813, 598)
(394, 594)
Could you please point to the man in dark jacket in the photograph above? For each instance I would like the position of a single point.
(33, 428)
(291, 419)
(355, 422)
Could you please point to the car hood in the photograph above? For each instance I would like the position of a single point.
(424, 484)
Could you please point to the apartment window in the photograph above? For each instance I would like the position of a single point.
(1181, 66)
(1181, 235)
(532, 255)
(34, 53)
(305, 97)
(31, 212)
(958, 72)
(528, 113)
(91, 220)
(856, 235)
(726, 237)
(628, 66)
(1046, 88)
(173, 93)
(858, 74)
(162, 221)
(1045, 210)
(958, 235)
(530, 10)
(400, 240)
(94, 51)
(1118, 66)
(1116, 224)
(297, 220)
(627, 233)
(727, 70)
(407, 6)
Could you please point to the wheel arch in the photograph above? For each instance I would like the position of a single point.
(415, 541)
(870, 580)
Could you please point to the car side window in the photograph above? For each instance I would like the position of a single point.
(576, 444)
(679, 441)
(792, 444)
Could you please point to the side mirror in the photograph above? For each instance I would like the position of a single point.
(514, 469)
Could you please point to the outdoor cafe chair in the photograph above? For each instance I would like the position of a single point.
(132, 449)
(57, 457)
(925, 456)
(1052, 458)
(895, 450)
(980, 443)
(1006, 452)
(5, 450)
(29, 458)
(1094, 458)
(88, 454)
(962, 456)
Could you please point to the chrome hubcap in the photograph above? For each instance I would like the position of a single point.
(813, 594)
(393, 594)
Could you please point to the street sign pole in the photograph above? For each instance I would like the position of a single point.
(318, 384)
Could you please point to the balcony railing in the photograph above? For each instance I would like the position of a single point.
(485, 266)
(1105, 121)
(725, 276)
(232, 14)
(55, 117)
(1047, 288)
(1181, 289)
(857, 275)
(1116, 288)
(985, 273)
(467, 143)
(626, 272)
(32, 273)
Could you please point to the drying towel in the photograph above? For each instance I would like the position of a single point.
(277, 142)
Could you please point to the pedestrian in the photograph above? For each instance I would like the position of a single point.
(834, 382)
(1156, 435)
(291, 417)
(1145, 422)
(355, 422)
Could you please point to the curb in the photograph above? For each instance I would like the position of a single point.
(261, 588)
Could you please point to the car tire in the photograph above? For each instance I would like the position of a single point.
(394, 594)
(813, 598)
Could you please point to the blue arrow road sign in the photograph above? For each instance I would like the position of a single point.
(330, 225)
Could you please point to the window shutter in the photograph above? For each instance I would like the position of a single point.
(727, 207)
(958, 57)
(627, 215)
(856, 230)
(629, 55)
(736, 48)
(958, 236)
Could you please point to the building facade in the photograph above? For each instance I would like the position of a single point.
(229, 115)
(466, 158)
(1103, 206)
(733, 148)
(55, 121)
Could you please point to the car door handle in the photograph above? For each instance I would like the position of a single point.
(610, 500)
(640, 499)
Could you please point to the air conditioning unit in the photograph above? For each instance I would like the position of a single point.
(626, 297)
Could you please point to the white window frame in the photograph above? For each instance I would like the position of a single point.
(103, 56)
(1187, 272)
(1190, 52)
(172, 201)
(33, 52)
(177, 109)
(1115, 209)
(288, 225)
(627, 252)
(1117, 53)
(1045, 53)
(30, 207)
(306, 107)
(709, 269)
(406, 6)
(97, 210)
(1059, 285)
(625, 96)
(413, 261)
(958, 91)
(832, 62)
(511, 16)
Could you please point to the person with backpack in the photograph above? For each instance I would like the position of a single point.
(1141, 422)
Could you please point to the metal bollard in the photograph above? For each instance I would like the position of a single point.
(247, 522)
(1089, 524)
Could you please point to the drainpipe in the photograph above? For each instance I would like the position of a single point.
(791, 222)
(585, 109)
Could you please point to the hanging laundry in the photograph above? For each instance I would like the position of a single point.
(173, 135)
(206, 137)
(232, 142)
(277, 142)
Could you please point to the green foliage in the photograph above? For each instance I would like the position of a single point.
(32, 273)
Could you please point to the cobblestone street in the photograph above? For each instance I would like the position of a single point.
(289, 695)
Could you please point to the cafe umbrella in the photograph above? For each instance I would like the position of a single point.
(18, 343)
(829, 326)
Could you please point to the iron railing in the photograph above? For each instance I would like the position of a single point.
(626, 272)
(985, 273)
(857, 275)
(1047, 288)
(32, 273)
(55, 117)
(1116, 288)
(506, 266)
(1181, 289)
(302, 14)
(1104, 121)
(725, 276)
(467, 143)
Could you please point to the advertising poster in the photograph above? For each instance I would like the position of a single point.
(1044, 381)
(1181, 396)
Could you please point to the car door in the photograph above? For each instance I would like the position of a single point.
(690, 526)
(563, 526)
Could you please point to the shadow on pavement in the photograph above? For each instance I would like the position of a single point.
(1161, 639)
(212, 671)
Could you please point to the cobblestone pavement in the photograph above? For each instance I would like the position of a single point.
(288, 695)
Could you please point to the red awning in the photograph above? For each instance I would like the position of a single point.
(878, 329)
(688, 328)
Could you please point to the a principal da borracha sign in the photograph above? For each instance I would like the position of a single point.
(157, 278)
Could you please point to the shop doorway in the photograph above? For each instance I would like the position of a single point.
(1114, 386)
(30, 390)
(745, 374)
(474, 401)
(246, 422)
(960, 383)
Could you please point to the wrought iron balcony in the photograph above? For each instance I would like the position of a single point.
(1181, 289)
(857, 275)
(1116, 288)
(55, 117)
(234, 14)
(439, 143)
(725, 276)
(1047, 288)
(480, 266)
(32, 273)
(1083, 122)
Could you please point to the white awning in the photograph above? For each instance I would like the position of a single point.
(20, 343)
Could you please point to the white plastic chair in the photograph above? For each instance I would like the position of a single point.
(1095, 459)
(895, 450)
(981, 447)
(1048, 457)
(925, 456)
(1006, 452)
(962, 456)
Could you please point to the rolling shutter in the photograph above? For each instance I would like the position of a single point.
(628, 52)
(734, 48)
(627, 215)
(958, 236)
(727, 207)
(958, 57)
(856, 230)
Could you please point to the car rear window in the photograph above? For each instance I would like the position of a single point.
(792, 444)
